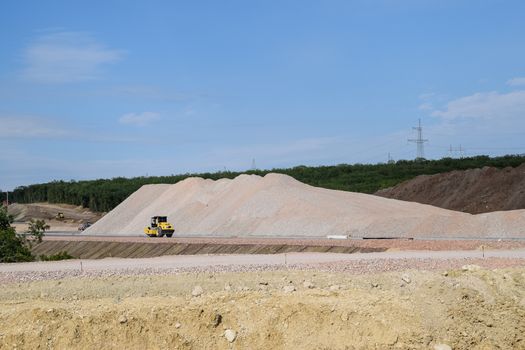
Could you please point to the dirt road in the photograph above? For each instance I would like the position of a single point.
(199, 261)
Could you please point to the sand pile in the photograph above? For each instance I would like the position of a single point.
(278, 205)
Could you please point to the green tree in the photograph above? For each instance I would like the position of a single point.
(37, 229)
(13, 247)
(5, 219)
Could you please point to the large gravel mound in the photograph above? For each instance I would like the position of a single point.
(472, 191)
(278, 205)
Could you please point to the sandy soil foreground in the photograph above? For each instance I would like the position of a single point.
(326, 305)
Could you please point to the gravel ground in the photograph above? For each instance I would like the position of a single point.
(167, 265)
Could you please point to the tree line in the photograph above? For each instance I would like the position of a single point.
(104, 194)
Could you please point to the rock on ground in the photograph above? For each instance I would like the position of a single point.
(230, 335)
(197, 291)
(289, 289)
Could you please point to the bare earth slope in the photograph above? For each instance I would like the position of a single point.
(48, 211)
(472, 191)
(73, 215)
(282, 309)
(278, 205)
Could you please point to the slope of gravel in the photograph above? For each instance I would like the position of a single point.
(472, 191)
(278, 205)
(133, 206)
(383, 244)
(356, 264)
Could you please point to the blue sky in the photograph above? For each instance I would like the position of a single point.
(98, 89)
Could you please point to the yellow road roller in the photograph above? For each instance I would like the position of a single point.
(159, 227)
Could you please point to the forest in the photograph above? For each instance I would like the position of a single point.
(104, 194)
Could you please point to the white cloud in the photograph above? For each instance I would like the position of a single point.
(427, 96)
(485, 105)
(483, 123)
(151, 92)
(426, 106)
(29, 127)
(281, 151)
(518, 81)
(64, 57)
(139, 119)
(189, 111)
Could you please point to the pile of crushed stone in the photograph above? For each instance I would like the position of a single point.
(277, 205)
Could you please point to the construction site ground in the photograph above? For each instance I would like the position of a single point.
(402, 296)
(445, 285)
(73, 216)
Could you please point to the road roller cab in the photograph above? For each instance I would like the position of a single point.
(159, 227)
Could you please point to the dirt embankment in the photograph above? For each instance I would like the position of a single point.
(472, 191)
(476, 309)
(98, 247)
(102, 249)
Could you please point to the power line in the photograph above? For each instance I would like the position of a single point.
(455, 151)
(419, 141)
(390, 159)
(498, 148)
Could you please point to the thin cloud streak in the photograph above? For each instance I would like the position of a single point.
(151, 92)
(480, 121)
(139, 119)
(519, 81)
(66, 57)
(276, 150)
(485, 105)
(29, 127)
(15, 127)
